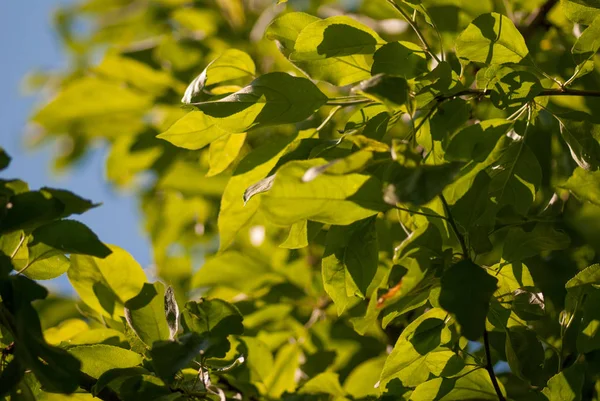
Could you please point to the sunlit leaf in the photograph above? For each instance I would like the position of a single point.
(491, 39)
(106, 284)
(272, 99)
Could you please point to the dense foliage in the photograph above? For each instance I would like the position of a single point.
(357, 200)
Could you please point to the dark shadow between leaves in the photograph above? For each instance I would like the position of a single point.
(344, 40)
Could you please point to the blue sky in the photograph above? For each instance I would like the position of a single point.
(27, 42)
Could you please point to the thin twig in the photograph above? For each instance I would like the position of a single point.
(416, 29)
(435, 216)
(450, 219)
(14, 253)
(328, 118)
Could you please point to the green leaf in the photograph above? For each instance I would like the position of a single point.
(230, 65)
(362, 380)
(339, 71)
(4, 159)
(233, 270)
(491, 39)
(511, 277)
(349, 164)
(169, 357)
(328, 199)
(475, 214)
(477, 141)
(516, 176)
(581, 11)
(223, 152)
(587, 44)
(90, 99)
(361, 117)
(524, 352)
(323, 383)
(44, 262)
(386, 89)
(272, 99)
(566, 385)
(70, 236)
(115, 374)
(588, 338)
(54, 368)
(12, 374)
(466, 292)
(350, 261)
(286, 28)
(334, 37)
(215, 317)
(106, 284)
(420, 340)
(135, 73)
(402, 59)
(529, 304)
(512, 89)
(520, 244)
(145, 313)
(590, 276)
(419, 185)
(193, 131)
(234, 213)
(470, 384)
(98, 359)
(580, 136)
(585, 185)
(283, 373)
(31, 209)
(300, 234)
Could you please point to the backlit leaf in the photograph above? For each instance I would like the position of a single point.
(491, 39)
(328, 199)
(106, 284)
(272, 99)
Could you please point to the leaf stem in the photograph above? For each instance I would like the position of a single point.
(489, 367)
(14, 253)
(332, 113)
(415, 28)
(436, 216)
(450, 219)
(333, 102)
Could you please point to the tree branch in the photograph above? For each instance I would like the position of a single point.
(489, 367)
(544, 92)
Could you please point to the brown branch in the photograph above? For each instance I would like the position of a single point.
(544, 92)
(489, 367)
